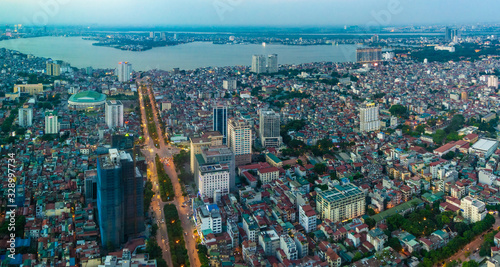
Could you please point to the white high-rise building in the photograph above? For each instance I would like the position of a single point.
(473, 209)
(229, 84)
(114, 113)
(259, 64)
(239, 139)
(369, 118)
(272, 63)
(212, 178)
(51, 123)
(124, 71)
(493, 81)
(25, 117)
(307, 218)
(269, 128)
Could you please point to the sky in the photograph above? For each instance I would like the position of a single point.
(248, 12)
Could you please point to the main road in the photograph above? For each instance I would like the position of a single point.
(165, 151)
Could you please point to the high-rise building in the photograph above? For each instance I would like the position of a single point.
(341, 203)
(269, 128)
(229, 84)
(259, 64)
(368, 55)
(90, 189)
(493, 81)
(205, 141)
(369, 118)
(447, 34)
(272, 63)
(25, 116)
(473, 209)
(212, 178)
(51, 123)
(53, 68)
(465, 96)
(114, 113)
(239, 139)
(124, 71)
(220, 121)
(120, 198)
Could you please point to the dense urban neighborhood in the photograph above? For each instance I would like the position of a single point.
(392, 160)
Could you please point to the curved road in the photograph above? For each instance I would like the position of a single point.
(165, 152)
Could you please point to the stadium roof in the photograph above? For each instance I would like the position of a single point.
(87, 96)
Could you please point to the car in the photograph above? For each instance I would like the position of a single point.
(185, 233)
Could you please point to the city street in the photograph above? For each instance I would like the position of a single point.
(165, 151)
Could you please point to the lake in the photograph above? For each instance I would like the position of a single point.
(81, 53)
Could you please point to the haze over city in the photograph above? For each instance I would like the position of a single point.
(246, 12)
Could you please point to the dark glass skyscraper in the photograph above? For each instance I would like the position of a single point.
(120, 198)
(220, 121)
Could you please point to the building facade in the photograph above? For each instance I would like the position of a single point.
(368, 55)
(31, 89)
(120, 197)
(369, 119)
(269, 128)
(123, 71)
(212, 178)
(272, 63)
(341, 203)
(473, 209)
(25, 117)
(220, 121)
(307, 218)
(259, 64)
(114, 113)
(51, 123)
(239, 139)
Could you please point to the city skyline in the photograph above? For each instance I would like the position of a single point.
(245, 13)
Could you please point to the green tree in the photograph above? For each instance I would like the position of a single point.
(319, 168)
(398, 110)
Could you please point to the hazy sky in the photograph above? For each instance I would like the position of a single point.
(248, 12)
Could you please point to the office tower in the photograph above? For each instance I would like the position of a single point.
(493, 81)
(447, 34)
(212, 178)
(269, 128)
(472, 209)
(229, 84)
(272, 63)
(90, 187)
(53, 68)
(123, 141)
(120, 198)
(51, 123)
(163, 36)
(454, 35)
(123, 71)
(25, 116)
(114, 113)
(239, 139)
(220, 121)
(205, 141)
(258, 64)
(152, 35)
(368, 55)
(216, 155)
(341, 203)
(369, 118)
